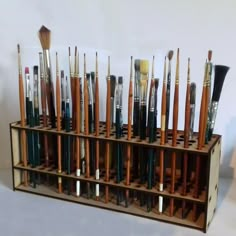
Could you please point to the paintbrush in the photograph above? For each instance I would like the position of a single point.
(113, 88)
(162, 141)
(78, 122)
(58, 104)
(44, 109)
(97, 125)
(86, 127)
(45, 38)
(174, 133)
(130, 98)
(108, 125)
(22, 116)
(220, 74)
(119, 162)
(168, 87)
(186, 139)
(192, 109)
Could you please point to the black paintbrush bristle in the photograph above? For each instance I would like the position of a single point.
(113, 85)
(156, 83)
(120, 80)
(137, 65)
(220, 73)
(35, 70)
(192, 93)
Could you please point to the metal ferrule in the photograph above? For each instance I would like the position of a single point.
(152, 100)
(27, 85)
(143, 94)
(63, 97)
(213, 112)
(47, 66)
(41, 66)
(90, 90)
(30, 94)
(192, 115)
(36, 91)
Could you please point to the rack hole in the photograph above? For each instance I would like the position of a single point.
(213, 150)
(210, 199)
(216, 187)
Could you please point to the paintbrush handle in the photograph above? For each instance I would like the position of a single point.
(136, 117)
(167, 108)
(143, 118)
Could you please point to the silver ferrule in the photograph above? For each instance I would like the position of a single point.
(47, 66)
(63, 97)
(90, 90)
(213, 112)
(41, 66)
(152, 100)
(27, 85)
(36, 91)
(30, 94)
(192, 115)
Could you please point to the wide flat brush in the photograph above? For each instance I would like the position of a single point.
(128, 157)
(174, 134)
(168, 88)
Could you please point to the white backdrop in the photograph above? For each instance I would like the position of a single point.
(121, 29)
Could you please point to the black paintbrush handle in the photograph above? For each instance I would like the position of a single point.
(143, 117)
(136, 118)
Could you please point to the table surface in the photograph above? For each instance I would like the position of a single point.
(27, 214)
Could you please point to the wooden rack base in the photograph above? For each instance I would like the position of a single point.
(205, 202)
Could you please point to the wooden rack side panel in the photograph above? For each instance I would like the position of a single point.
(213, 184)
(16, 156)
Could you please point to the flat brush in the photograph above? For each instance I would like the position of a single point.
(44, 108)
(220, 74)
(162, 141)
(130, 98)
(192, 108)
(144, 68)
(45, 38)
(169, 56)
(58, 104)
(174, 133)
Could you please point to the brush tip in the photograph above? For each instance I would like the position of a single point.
(209, 55)
(120, 80)
(156, 82)
(137, 64)
(36, 68)
(44, 29)
(144, 66)
(87, 75)
(170, 54)
(62, 73)
(96, 54)
(75, 50)
(69, 51)
(26, 70)
(18, 48)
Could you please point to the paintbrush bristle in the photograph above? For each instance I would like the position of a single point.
(144, 67)
(137, 65)
(45, 37)
(220, 73)
(209, 55)
(113, 85)
(192, 93)
(153, 59)
(18, 48)
(156, 83)
(170, 55)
